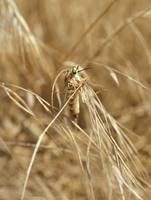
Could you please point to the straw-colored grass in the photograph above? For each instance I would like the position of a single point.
(104, 153)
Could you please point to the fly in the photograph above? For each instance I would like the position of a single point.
(74, 78)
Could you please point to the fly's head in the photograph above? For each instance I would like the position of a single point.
(71, 75)
(75, 74)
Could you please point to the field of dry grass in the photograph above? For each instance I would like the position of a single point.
(44, 153)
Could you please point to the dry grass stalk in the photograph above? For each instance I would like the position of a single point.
(114, 148)
(98, 143)
(15, 28)
(120, 27)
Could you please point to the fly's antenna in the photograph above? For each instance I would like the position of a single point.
(77, 66)
(84, 69)
(54, 85)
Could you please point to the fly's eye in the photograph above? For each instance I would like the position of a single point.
(74, 71)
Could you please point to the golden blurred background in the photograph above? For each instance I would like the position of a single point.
(113, 38)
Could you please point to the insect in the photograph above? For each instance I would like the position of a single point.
(74, 78)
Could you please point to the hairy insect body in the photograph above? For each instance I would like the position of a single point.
(74, 104)
(74, 80)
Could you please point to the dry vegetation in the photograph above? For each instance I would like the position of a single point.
(44, 153)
